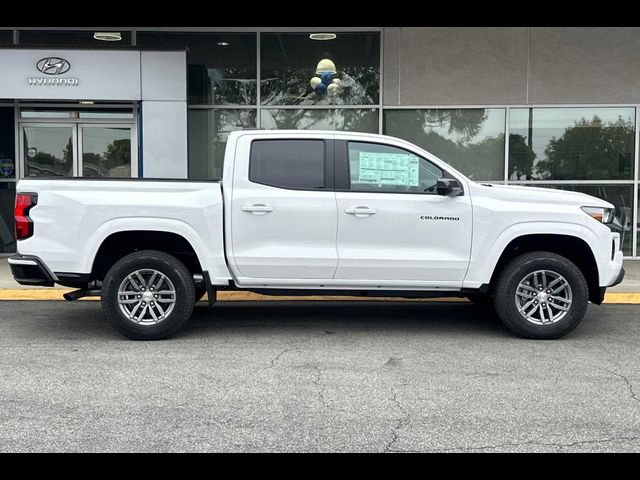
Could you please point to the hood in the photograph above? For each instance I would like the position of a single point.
(519, 193)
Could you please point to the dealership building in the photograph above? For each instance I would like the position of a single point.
(556, 106)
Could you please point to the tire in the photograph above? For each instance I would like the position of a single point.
(567, 315)
(177, 278)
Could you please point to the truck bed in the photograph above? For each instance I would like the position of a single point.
(74, 216)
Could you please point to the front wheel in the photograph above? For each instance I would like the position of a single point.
(541, 295)
(148, 295)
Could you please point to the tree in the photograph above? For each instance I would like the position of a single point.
(590, 149)
(118, 153)
(521, 157)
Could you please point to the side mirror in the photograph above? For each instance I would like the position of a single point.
(449, 187)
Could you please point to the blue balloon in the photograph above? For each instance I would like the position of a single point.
(321, 89)
(326, 77)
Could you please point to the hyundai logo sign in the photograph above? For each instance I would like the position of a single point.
(53, 66)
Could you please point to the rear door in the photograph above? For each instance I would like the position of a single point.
(283, 209)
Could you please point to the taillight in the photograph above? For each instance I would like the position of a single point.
(24, 225)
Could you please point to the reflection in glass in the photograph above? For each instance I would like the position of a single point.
(6, 37)
(471, 140)
(66, 113)
(106, 152)
(7, 144)
(48, 151)
(208, 134)
(290, 61)
(66, 38)
(7, 201)
(571, 143)
(222, 66)
(619, 195)
(350, 120)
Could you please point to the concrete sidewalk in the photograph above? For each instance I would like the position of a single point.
(9, 287)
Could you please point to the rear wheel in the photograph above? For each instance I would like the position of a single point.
(541, 295)
(148, 295)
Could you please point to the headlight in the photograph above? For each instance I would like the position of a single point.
(601, 214)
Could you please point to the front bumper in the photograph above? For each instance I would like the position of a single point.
(30, 270)
(603, 290)
(620, 278)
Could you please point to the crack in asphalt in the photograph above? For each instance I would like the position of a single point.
(558, 446)
(322, 387)
(633, 393)
(400, 423)
(616, 364)
(295, 348)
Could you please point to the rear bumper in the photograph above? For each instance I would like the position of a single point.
(30, 270)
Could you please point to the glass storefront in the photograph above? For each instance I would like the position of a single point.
(345, 119)
(74, 39)
(7, 201)
(7, 179)
(296, 80)
(72, 142)
(7, 144)
(222, 68)
(293, 70)
(291, 61)
(208, 133)
(6, 38)
(638, 222)
(471, 140)
(571, 143)
(106, 151)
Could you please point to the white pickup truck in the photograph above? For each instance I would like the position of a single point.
(318, 213)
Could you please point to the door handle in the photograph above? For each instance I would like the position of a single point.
(361, 212)
(258, 209)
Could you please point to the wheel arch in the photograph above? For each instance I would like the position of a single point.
(574, 248)
(121, 243)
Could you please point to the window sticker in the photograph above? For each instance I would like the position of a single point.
(396, 169)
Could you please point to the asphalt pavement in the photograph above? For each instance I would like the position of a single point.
(335, 376)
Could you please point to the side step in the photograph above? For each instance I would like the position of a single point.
(78, 294)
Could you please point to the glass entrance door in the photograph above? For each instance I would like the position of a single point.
(48, 150)
(76, 150)
(106, 151)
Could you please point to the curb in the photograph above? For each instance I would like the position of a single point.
(56, 295)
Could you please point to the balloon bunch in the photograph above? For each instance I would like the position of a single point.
(325, 82)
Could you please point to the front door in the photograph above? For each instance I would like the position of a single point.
(283, 210)
(394, 230)
(76, 150)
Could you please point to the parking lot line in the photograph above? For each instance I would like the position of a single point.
(239, 296)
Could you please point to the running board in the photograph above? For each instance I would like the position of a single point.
(78, 294)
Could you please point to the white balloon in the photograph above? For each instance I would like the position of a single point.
(315, 81)
(326, 65)
(332, 89)
(337, 81)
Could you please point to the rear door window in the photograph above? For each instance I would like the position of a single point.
(292, 164)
